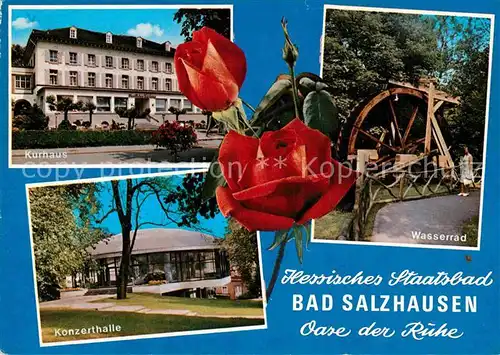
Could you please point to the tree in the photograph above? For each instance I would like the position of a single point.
(59, 242)
(129, 196)
(363, 50)
(194, 19)
(177, 112)
(90, 107)
(64, 104)
(131, 114)
(31, 118)
(243, 252)
(17, 55)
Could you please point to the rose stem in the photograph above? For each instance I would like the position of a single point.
(276, 270)
(247, 105)
(294, 89)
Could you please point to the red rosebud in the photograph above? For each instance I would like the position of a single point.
(286, 177)
(210, 70)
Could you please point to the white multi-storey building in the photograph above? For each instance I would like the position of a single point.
(113, 71)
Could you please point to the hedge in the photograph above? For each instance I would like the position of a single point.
(76, 139)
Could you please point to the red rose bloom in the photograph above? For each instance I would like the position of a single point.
(210, 70)
(286, 177)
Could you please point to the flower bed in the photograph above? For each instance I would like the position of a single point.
(76, 139)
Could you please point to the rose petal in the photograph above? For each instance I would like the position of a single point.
(204, 91)
(340, 183)
(235, 153)
(318, 145)
(251, 220)
(231, 54)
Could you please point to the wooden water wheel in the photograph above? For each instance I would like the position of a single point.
(398, 120)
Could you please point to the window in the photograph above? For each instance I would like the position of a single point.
(125, 63)
(161, 105)
(109, 80)
(72, 33)
(154, 66)
(53, 56)
(109, 37)
(73, 58)
(154, 83)
(109, 62)
(188, 105)
(73, 78)
(140, 64)
(91, 79)
(139, 42)
(85, 99)
(168, 84)
(53, 77)
(175, 103)
(168, 68)
(121, 103)
(124, 81)
(23, 82)
(140, 82)
(103, 103)
(91, 60)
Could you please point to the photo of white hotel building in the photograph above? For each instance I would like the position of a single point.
(113, 71)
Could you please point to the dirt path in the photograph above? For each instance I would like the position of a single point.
(401, 222)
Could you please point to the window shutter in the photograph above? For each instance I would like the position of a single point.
(98, 60)
(66, 78)
(47, 80)
(149, 65)
(59, 57)
(85, 79)
(103, 80)
(59, 78)
(85, 59)
(131, 82)
(115, 81)
(115, 59)
(79, 58)
(67, 57)
(47, 55)
(97, 80)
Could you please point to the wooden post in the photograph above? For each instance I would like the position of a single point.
(430, 114)
(361, 160)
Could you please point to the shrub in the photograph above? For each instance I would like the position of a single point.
(65, 125)
(156, 282)
(175, 137)
(155, 276)
(31, 118)
(76, 139)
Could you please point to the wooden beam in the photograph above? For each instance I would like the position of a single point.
(441, 140)
(430, 114)
(376, 139)
(410, 124)
(395, 120)
(438, 105)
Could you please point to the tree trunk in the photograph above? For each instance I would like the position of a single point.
(65, 115)
(129, 123)
(90, 118)
(121, 290)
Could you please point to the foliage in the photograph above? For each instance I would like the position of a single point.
(155, 276)
(17, 55)
(31, 118)
(194, 19)
(59, 242)
(363, 50)
(177, 112)
(90, 108)
(243, 252)
(64, 104)
(65, 125)
(175, 137)
(190, 201)
(73, 139)
(132, 113)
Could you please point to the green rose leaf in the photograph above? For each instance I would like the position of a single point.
(306, 85)
(279, 237)
(320, 112)
(298, 242)
(213, 178)
(277, 90)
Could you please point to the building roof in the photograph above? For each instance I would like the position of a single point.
(98, 39)
(156, 240)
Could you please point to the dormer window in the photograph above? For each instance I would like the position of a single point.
(109, 37)
(167, 46)
(139, 42)
(72, 33)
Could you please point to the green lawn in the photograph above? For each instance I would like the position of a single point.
(130, 323)
(198, 305)
(332, 225)
(471, 228)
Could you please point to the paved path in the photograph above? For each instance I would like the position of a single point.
(395, 222)
(89, 303)
(138, 154)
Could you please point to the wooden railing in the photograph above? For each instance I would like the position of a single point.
(403, 185)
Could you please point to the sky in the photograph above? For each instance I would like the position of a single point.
(154, 24)
(151, 212)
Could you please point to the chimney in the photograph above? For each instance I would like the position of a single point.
(168, 45)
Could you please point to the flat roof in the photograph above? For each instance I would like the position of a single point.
(155, 240)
